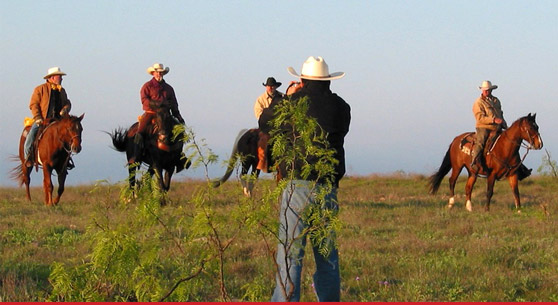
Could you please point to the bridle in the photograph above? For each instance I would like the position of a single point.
(64, 143)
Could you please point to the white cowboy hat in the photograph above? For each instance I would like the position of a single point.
(487, 85)
(315, 69)
(159, 68)
(54, 71)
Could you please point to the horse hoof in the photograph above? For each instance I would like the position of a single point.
(246, 192)
(451, 202)
(469, 206)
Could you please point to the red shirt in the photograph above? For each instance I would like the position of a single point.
(160, 92)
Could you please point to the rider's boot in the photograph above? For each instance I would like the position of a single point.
(29, 160)
(474, 163)
(262, 152)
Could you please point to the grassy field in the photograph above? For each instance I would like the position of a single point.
(398, 243)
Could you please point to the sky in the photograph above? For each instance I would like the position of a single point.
(412, 70)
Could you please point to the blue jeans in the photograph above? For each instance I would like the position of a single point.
(296, 198)
(30, 139)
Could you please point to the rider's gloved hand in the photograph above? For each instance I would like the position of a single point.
(153, 104)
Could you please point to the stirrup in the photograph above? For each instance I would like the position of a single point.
(70, 164)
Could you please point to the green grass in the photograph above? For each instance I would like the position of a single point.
(397, 243)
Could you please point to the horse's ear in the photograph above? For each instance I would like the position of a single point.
(534, 116)
(81, 116)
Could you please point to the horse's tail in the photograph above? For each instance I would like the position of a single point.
(119, 139)
(436, 178)
(17, 172)
(232, 160)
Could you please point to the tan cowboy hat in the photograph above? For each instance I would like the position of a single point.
(159, 68)
(487, 85)
(54, 71)
(315, 69)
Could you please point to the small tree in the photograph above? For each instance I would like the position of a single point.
(548, 166)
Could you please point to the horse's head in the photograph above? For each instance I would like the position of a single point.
(73, 132)
(169, 121)
(530, 131)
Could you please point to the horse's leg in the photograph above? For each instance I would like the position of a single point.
(166, 182)
(247, 163)
(47, 184)
(455, 171)
(158, 173)
(514, 183)
(469, 191)
(490, 180)
(61, 181)
(26, 178)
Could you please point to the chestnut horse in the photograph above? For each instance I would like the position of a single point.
(161, 162)
(59, 140)
(502, 160)
(245, 149)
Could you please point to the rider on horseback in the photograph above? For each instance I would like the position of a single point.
(489, 117)
(263, 101)
(48, 101)
(156, 96)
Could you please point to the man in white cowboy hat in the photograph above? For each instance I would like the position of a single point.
(333, 115)
(156, 95)
(263, 101)
(48, 101)
(489, 117)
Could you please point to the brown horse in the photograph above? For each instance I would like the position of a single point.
(502, 160)
(56, 144)
(245, 149)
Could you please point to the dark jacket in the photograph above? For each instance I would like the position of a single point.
(332, 113)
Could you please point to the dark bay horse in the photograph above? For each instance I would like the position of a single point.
(161, 162)
(245, 149)
(502, 160)
(59, 140)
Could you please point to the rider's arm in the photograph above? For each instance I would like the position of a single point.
(35, 103)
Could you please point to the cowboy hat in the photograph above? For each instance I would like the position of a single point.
(315, 69)
(486, 85)
(158, 68)
(272, 82)
(54, 71)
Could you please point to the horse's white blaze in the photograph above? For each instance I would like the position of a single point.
(469, 206)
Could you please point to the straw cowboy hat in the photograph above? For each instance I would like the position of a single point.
(272, 82)
(158, 68)
(486, 85)
(54, 71)
(315, 69)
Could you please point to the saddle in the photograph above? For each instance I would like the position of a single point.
(468, 141)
